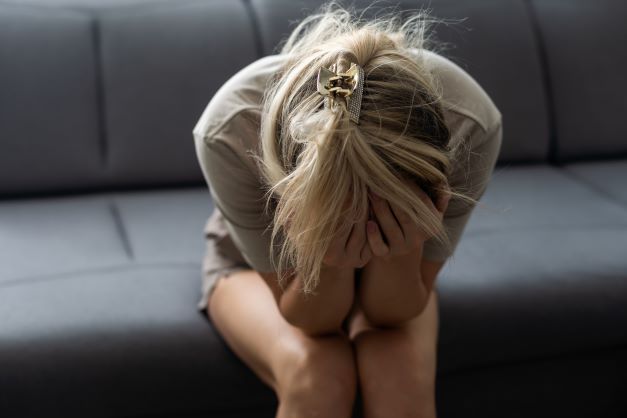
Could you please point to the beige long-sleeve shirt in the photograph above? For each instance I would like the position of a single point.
(228, 130)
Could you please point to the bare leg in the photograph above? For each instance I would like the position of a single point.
(311, 376)
(397, 366)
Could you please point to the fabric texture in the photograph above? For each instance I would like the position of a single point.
(227, 132)
(221, 257)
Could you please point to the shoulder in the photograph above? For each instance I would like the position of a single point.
(237, 103)
(462, 96)
(242, 92)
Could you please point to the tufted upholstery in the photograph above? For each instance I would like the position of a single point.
(102, 205)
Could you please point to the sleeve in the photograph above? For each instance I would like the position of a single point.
(471, 175)
(236, 192)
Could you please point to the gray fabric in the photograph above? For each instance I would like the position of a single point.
(605, 177)
(545, 278)
(51, 237)
(127, 78)
(165, 225)
(586, 59)
(160, 66)
(48, 236)
(117, 342)
(543, 196)
(49, 121)
(492, 40)
(535, 267)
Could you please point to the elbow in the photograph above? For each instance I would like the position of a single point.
(392, 319)
(317, 331)
(394, 310)
(393, 315)
(312, 326)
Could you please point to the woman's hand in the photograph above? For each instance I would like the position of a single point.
(402, 237)
(350, 249)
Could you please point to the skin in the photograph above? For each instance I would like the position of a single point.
(318, 377)
(397, 365)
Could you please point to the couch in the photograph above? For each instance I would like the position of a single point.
(102, 205)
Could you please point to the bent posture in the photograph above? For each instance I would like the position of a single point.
(343, 171)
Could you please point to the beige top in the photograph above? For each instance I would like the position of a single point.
(229, 128)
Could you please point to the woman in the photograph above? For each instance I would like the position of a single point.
(358, 155)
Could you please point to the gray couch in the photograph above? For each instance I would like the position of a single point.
(103, 203)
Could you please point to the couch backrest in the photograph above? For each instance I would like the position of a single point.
(586, 61)
(104, 94)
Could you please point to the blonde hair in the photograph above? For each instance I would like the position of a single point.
(314, 158)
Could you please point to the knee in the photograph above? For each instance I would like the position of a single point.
(321, 375)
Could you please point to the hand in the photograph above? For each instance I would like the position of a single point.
(403, 236)
(350, 249)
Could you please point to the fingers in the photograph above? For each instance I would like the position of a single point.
(438, 207)
(377, 246)
(366, 254)
(347, 246)
(355, 244)
(383, 230)
(396, 225)
(336, 249)
(405, 222)
(387, 222)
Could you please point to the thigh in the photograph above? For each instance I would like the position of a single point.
(244, 311)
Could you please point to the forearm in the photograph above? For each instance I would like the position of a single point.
(392, 290)
(325, 311)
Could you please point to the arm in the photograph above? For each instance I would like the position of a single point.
(392, 289)
(429, 271)
(397, 283)
(318, 314)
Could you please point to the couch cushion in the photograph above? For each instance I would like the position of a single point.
(540, 271)
(113, 300)
(124, 341)
(607, 177)
(57, 235)
(101, 290)
(70, 234)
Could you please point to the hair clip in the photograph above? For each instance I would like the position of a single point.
(345, 88)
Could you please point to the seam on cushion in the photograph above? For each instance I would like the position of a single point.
(119, 226)
(255, 27)
(81, 273)
(101, 114)
(584, 182)
(547, 80)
